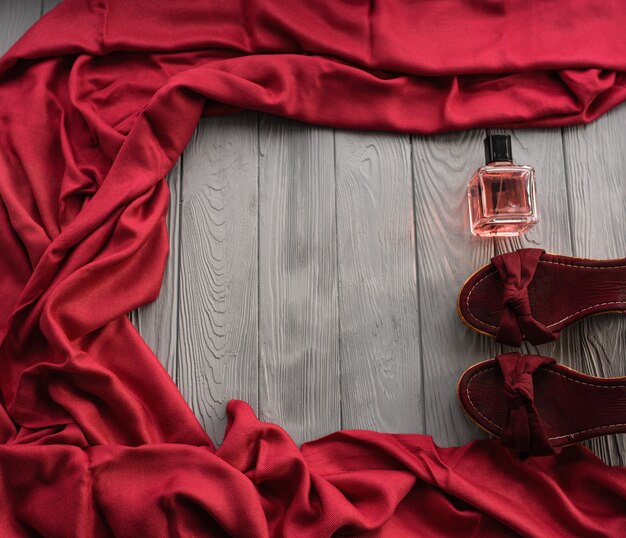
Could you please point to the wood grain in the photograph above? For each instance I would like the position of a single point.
(218, 280)
(594, 158)
(299, 321)
(447, 254)
(158, 322)
(380, 342)
(16, 16)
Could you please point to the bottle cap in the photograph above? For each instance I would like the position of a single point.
(498, 148)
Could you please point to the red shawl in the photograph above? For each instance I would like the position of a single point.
(97, 101)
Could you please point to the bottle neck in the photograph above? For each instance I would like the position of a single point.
(500, 163)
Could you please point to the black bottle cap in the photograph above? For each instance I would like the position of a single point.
(498, 148)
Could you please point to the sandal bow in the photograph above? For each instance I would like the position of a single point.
(522, 429)
(516, 270)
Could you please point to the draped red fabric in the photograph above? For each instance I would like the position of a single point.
(97, 101)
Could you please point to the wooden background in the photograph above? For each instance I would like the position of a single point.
(314, 272)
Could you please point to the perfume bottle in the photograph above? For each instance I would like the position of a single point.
(501, 194)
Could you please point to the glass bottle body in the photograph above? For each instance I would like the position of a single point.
(501, 199)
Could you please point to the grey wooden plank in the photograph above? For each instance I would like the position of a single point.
(16, 16)
(447, 254)
(158, 322)
(218, 281)
(298, 324)
(381, 386)
(594, 157)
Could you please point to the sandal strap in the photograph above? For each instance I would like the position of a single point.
(523, 430)
(516, 270)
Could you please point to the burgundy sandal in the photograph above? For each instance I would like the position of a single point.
(531, 295)
(536, 406)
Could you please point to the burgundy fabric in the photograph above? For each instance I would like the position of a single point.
(97, 101)
(516, 270)
(563, 290)
(522, 428)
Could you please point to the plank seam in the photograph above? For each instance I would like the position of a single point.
(417, 288)
(338, 276)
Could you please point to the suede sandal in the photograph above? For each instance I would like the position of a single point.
(536, 406)
(532, 295)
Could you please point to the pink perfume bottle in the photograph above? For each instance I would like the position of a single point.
(501, 194)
